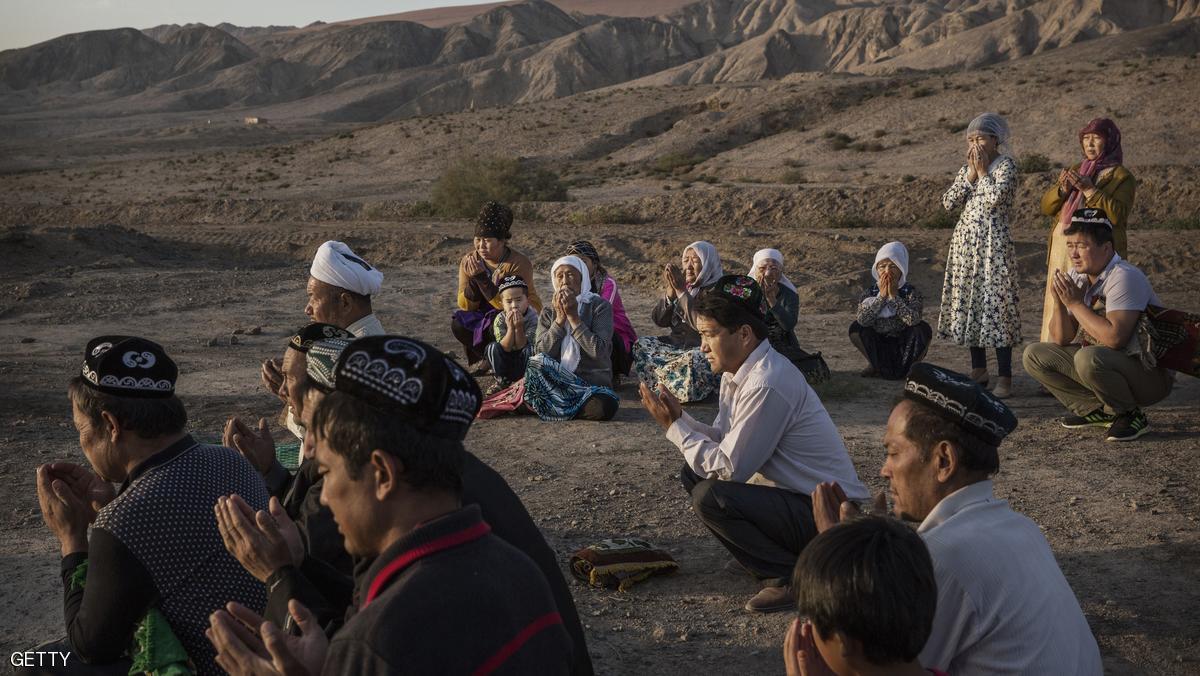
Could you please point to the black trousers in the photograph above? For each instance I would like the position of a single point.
(763, 527)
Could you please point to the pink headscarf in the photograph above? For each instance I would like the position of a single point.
(1101, 126)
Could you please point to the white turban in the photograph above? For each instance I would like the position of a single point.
(775, 255)
(337, 265)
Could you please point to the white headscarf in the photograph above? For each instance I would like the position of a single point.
(710, 265)
(775, 255)
(898, 254)
(570, 355)
(337, 264)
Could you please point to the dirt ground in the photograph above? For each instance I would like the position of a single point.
(1122, 519)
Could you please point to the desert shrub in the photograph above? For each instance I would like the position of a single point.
(470, 182)
(920, 92)
(708, 178)
(675, 163)
(1033, 163)
(346, 134)
(867, 147)
(879, 133)
(938, 220)
(839, 140)
(907, 178)
(793, 176)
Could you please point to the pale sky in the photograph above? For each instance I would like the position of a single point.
(27, 22)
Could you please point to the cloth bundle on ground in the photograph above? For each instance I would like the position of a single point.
(620, 563)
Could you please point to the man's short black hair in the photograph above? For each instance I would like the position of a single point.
(870, 579)
(1097, 232)
(729, 314)
(353, 429)
(148, 417)
(926, 428)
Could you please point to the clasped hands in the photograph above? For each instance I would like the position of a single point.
(673, 280)
(1066, 290)
(662, 405)
(889, 286)
(70, 496)
(566, 307)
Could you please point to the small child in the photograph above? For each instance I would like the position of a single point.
(515, 327)
(866, 595)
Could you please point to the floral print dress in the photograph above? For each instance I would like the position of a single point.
(979, 294)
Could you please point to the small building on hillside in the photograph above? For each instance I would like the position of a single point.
(254, 119)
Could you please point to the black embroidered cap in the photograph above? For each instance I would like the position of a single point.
(961, 400)
(322, 357)
(306, 335)
(128, 366)
(1091, 216)
(745, 292)
(510, 282)
(411, 380)
(494, 220)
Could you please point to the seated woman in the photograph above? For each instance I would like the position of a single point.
(623, 333)
(675, 360)
(570, 376)
(479, 274)
(514, 330)
(889, 331)
(784, 304)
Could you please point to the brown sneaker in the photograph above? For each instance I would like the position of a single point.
(772, 600)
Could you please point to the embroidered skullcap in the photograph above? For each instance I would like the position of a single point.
(992, 125)
(961, 400)
(512, 281)
(127, 366)
(494, 220)
(305, 336)
(322, 357)
(745, 292)
(337, 265)
(583, 248)
(1091, 217)
(412, 381)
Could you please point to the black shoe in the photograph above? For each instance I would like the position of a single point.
(1097, 418)
(1128, 426)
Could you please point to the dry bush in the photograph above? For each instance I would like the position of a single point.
(471, 181)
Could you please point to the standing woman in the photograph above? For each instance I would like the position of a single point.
(479, 274)
(979, 294)
(1099, 181)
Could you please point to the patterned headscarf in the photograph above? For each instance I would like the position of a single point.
(1113, 156)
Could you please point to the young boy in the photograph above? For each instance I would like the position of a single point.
(515, 328)
(866, 595)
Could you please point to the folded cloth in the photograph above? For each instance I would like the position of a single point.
(620, 563)
(478, 322)
(508, 400)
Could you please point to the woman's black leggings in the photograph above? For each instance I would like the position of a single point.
(1003, 360)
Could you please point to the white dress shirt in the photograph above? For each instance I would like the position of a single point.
(771, 429)
(367, 326)
(1003, 604)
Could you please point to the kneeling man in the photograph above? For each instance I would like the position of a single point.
(1104, 378)
(751, 472)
